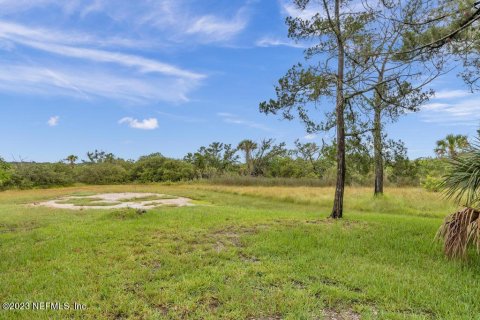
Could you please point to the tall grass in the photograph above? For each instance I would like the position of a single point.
(264, 181)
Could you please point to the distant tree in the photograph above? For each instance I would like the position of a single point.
(451, 145)
(100, 156)
(267, 151)
(71, 159)
(217, 158)
(248, 146)
(312, 154)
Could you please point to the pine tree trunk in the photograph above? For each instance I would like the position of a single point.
(377, 133)
(337, 211)
(378, 154)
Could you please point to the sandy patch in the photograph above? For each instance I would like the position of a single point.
(117, 201)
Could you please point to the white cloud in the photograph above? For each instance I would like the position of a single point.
(183, 22)
(449, 94)
(275, 42)
(235, 119)
(135, 79)
(179, 17)
(310, 136)
(143, 64)
(316, 7)
(213, 28)
(20, 33)
(289, 9)
(458, 112)
(53, 42)
(93, 82)
(146, 124)
(53, 121)
(89, 63)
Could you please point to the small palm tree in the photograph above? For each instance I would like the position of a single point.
(72, 159)
(248, 146)
(462, 184)
(451, 146)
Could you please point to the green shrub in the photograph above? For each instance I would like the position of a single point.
(157, 168)
(27, 175)
(102, 173)
(432, 184)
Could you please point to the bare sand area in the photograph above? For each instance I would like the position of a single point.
(133, 200)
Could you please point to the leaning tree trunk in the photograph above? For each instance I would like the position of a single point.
(337, 211)
(378, 152)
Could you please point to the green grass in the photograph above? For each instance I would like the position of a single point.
(261, 253)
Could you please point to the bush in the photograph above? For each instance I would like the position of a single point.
(102, 173)
(157, 168)
(41, 175)
(432, 184)
(286, 167)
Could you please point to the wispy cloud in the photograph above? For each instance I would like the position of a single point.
(90, 83)
(452, 107)
(110, 64)
(235, 119)
(212, 28)
(449, 94)
(276, 42)
(457, 112)
(135, 78)
(289, 9)
(53, 121)
(20, 33)
(146, 124)
(313, 8)
(181, 18)
(183, 22)
(54, 42)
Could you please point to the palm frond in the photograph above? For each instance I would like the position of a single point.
(462, 182)
(460, 230)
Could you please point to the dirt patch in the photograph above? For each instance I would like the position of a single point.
(331, 314)
(116, 201)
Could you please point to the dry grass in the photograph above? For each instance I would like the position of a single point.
(401, 201)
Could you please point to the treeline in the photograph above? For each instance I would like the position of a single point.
(265, 162)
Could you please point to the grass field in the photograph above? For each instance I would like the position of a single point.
(242, 253)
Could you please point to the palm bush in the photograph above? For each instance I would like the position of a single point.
(461, 183)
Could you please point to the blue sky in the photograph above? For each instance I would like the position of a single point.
(136, 77)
